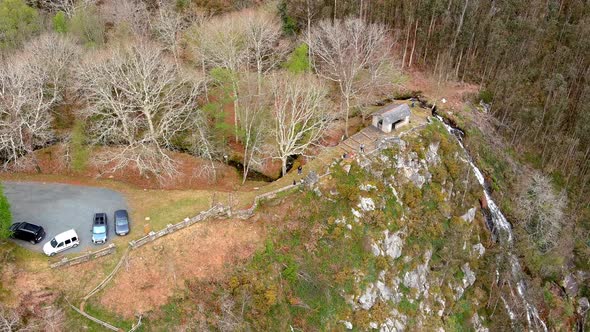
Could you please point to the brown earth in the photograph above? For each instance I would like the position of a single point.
(454, 92)
(153, 273)
(191, 175)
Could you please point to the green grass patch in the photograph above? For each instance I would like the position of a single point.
(80, 151)
(5, 215)
(103, 314)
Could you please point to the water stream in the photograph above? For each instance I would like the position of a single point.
(502, 231)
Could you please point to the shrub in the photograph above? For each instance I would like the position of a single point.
(412, 195)
(5, 216)
(60, 23)
(486, 96)
(298, 61)
(289, 24)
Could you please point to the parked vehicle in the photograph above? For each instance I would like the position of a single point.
(100, 228)
(63, 241)
(121, 222)
(27, 232)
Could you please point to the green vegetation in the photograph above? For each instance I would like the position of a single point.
(289, 24)
(78, 148)
(5, 216)
(298, 61)
(60, 22)
(18, 22)
(101, 313)
(87, 25)
(317, 254)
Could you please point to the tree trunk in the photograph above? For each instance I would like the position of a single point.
(413, 45)
(460, 25)
(236, 105)
(406, 47)
(347, 100)
(284, 165)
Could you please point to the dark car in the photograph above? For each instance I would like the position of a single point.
(27, 232)
(100, 228)
(121, 222)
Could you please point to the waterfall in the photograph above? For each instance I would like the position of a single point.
(505, 238)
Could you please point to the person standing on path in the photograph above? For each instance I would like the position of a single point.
(362, 148)
(299, 170)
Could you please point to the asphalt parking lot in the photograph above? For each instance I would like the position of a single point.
(59, 207)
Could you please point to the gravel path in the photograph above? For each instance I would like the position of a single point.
(59, 207)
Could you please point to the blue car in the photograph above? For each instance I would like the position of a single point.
(121, 222)
(100, 228)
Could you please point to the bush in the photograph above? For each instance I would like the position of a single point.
(298, 61)
(486, 96)
(5, 216)
(60, 23)
(412, 195)
(17, 23)
(289, 24)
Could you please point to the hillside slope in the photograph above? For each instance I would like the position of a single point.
(391, 241)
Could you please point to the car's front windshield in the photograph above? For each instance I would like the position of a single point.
(121, 222)
(53, 243)
(99, 229)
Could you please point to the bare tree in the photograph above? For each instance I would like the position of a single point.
(31, 84)
(542, 211)
(129, 15)
(263, 31)
(202, 143)
(345, 52)
(168, 26)
(253, 128)
(300, 114)
(68, 7)
(221, 43)
(235, 41)
(52, 319)
(140, 101)
(9, 320)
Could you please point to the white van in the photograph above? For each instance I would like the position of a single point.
(66, 240)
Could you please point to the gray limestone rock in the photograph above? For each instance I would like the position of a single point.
(432, 154)
(571, 285)
(468, 275)
(417, 279)
(311, 179)
(479, 249)
(368, 298)
(469, 215)
(583, 305)
(393, 244)
(347, 324)
(366, 204)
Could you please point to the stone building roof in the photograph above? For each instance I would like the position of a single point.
(393, 113)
